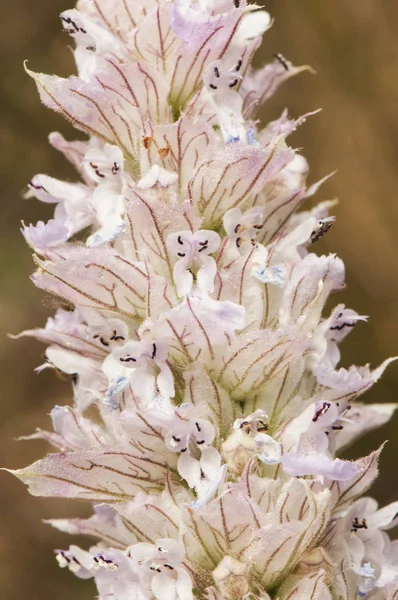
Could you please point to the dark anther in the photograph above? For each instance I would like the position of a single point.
(37, 187)
(321, 411)
(238, 241)
(237, 228)
(337, 427)
(96, 170)
(237, 3)
(204, 246)
(155, 568)
(102, 558)
(282, 60)
(101, 339)
(175, 438)
(233, 84)
(356, 524)
(213, 87)
(115, 168)
(200, 442)
(179, 240)
(340, 327)
(62, 553)
(74, 28)
(169, 566)
(68, 20)
(262, 426)
(182, 254)
(216, 72)
(154, 350)
(115, 337)
(320, 232)
(128, 359)
(197, 426)
(74, 378)
(239, 64)
(183, 450)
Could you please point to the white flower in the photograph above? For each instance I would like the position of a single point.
(243, 227)
(160, 568)
(194, 263)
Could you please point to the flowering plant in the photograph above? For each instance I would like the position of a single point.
(208, 405)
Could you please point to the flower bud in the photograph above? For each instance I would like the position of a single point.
(237, 450)
(231, 577)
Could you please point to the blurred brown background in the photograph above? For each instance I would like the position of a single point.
(354, 49)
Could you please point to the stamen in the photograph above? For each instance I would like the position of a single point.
(96, 170)
(216, 72)
(179, 240)
(233, 84)
(115, 337)
(37, 187)
(320, 232)
(101, 339)
(204, 245)
(356, 524)
(74, 28)
(321, 411)
(263, 426)
(213, 87)
(282, 60)
(340, 327)
(182, 254)
(154, 350)
(238, 66)
(115, 168)
(128, 359)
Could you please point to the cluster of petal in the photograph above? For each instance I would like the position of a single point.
(209, 407)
